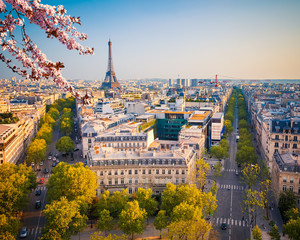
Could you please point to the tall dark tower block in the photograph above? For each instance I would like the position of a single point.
(110, 81)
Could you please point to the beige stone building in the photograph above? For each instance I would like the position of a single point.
(286, 174)
(147, 169)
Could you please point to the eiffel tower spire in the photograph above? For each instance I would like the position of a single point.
(110, 81)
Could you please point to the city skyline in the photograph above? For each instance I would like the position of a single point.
(244, 40)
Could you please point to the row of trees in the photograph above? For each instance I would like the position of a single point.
(15, 184)
(72, 200)
(289, 211)
(229, 116)
(246, 152)
(252, 174)
(36, 151)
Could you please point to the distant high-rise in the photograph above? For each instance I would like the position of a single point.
(110, 81)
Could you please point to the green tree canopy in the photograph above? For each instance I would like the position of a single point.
(250, 174)
(75, 182)
(54, 113)
(65, 144)
(256, 233)
(45, 133)
(287, 201)
(64, 217)
(274, 233)
(161, 221)
(132, 219)
(105, 221)
(145, 200)
(36, 151)
(292, 228)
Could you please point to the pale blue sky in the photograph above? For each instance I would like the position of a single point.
(193, 39)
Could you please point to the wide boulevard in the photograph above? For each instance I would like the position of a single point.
(230, 196)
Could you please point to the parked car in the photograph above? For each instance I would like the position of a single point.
(38, 192)
(23, 232)
(49, 158)
(76, 149)
(56, 155)
(46, 170)
(54, 164)
(237, 172)
(50, 153)
(42, 163)
(223, 226)
(54, 158)
(38, 204)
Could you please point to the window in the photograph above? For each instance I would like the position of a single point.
(177, 171)
(89, 140)
(291, 188)
(136, 181)
(122, 180)
(101, 173)
(130, 190)
(116, 172)
(284, 187)
(109, 172)
(276, 144)
(116, 181)
(183, 172)
(163, 171)
(122, 172)
(109, 182)
(291, 180)
(157, 171)
(299, 190)
(177, 180)
(284, 179)
(183, 180)
(136, 189)
(135, 171)
(129, 172)
(144, 171)
(286, 138)
(130, 180)
(149, 171)
(169, 171)
(276, 137)
(295, 138)
(102, 182)
(295, 146)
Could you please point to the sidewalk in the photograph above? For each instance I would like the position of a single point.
(149, 233)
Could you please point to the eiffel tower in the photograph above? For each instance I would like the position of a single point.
(110, 81)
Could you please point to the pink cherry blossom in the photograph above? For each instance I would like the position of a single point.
(54, 21)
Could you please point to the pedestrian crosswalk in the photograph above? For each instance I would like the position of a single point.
(230, 186)
(231, 222)
(231, 170)
(34, 231)
(42, 188)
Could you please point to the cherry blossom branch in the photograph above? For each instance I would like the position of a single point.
(56, 24)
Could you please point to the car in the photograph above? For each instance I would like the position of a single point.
(46, 170)
(56, 155)
(54, 164)
(38, 192)
(42, 180)
(41, 163)
(54, 158)
(50, 153)
(223, 226)
(57, 161)
(237, 172)
(23, 232)
(49, 158)
(38, 204)
(76, 149)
